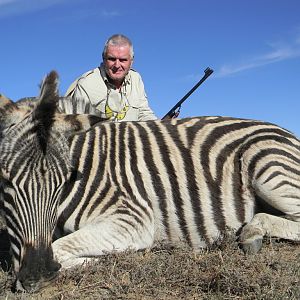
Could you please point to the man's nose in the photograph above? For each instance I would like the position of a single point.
(117, 63)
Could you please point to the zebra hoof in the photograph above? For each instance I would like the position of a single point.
(252, 246)
(251, 239)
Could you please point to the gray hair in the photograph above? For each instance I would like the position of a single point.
(118, 40)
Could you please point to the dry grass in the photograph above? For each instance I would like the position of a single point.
(163, 273)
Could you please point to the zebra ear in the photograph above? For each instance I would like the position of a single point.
(5, 105)
(48, 87)
(47, 100)
(7, 109)
(4, 100)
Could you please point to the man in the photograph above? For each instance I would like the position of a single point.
(114, 89)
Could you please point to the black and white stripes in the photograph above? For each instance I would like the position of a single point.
(189, 178)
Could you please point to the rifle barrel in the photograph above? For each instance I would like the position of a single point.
(207, 73)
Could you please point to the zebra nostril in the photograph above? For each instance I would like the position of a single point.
(55, 266)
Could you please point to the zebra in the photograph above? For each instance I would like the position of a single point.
(77, 186)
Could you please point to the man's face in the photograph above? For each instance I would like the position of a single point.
(117, 62)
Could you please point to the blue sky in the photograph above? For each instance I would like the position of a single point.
(253, 46)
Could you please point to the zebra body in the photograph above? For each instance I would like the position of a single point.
(184, 180)
(125, 185)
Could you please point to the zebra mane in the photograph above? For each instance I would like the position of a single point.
(70, 105)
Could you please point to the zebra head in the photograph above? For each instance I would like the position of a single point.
(34, 166)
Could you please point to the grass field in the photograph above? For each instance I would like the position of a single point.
(166, 273)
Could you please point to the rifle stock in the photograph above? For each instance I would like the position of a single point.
(172, 112)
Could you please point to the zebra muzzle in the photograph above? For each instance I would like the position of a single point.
(38, 270)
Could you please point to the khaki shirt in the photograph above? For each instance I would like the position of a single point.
(127, 104)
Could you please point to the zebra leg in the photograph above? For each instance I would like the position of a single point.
(280, 190)
(2, 221)
(101, 238)
(264, 224)
(2, 214)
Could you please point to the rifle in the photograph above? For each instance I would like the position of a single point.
(172, 113)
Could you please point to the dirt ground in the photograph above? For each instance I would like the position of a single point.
(166, 273)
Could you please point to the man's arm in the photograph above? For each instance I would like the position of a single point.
(145, 112)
